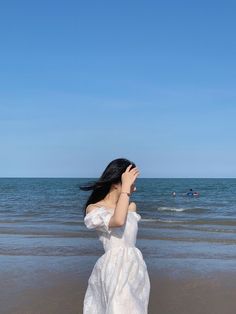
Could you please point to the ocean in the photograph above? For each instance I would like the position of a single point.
(43, 217)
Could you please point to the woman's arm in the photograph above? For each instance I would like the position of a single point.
(119, 217)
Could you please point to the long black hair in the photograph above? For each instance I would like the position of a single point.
(111, 175)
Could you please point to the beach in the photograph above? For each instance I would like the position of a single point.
(47, 254)
(57, 286)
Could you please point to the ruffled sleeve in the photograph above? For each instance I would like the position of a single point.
(98, 218)
(137, 216)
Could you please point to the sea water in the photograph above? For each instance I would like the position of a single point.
(44, 217)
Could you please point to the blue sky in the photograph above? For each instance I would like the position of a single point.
(85, 82)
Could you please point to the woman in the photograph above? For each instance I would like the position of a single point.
(119, 282)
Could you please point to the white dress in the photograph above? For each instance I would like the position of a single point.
(119, 282)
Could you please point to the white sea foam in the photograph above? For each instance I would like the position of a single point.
(170, 220)
(161, 220)
(150, 219)
(172, 209)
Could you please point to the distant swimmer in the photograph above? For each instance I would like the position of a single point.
(192, 193)
(174, 194)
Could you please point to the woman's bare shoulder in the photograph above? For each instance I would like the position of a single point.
(132, 207)
(90, 207)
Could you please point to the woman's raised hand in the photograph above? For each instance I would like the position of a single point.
(129, 176)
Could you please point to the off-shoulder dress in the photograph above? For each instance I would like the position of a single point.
(119, 282)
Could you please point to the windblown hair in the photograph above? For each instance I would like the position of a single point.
(111, 175)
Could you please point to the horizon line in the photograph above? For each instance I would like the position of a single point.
(98, 177)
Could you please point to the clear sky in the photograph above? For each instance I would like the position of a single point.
(85, 82)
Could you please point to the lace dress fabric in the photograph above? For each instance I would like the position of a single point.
(119, 282)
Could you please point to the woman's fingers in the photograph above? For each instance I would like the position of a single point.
(127, 169)
(134, 170)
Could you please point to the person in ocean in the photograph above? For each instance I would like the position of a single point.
(191, 193)
(119, 282)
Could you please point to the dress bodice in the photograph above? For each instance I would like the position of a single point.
(113, 237)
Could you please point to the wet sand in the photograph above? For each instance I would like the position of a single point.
(46, 285)
(195, 295)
